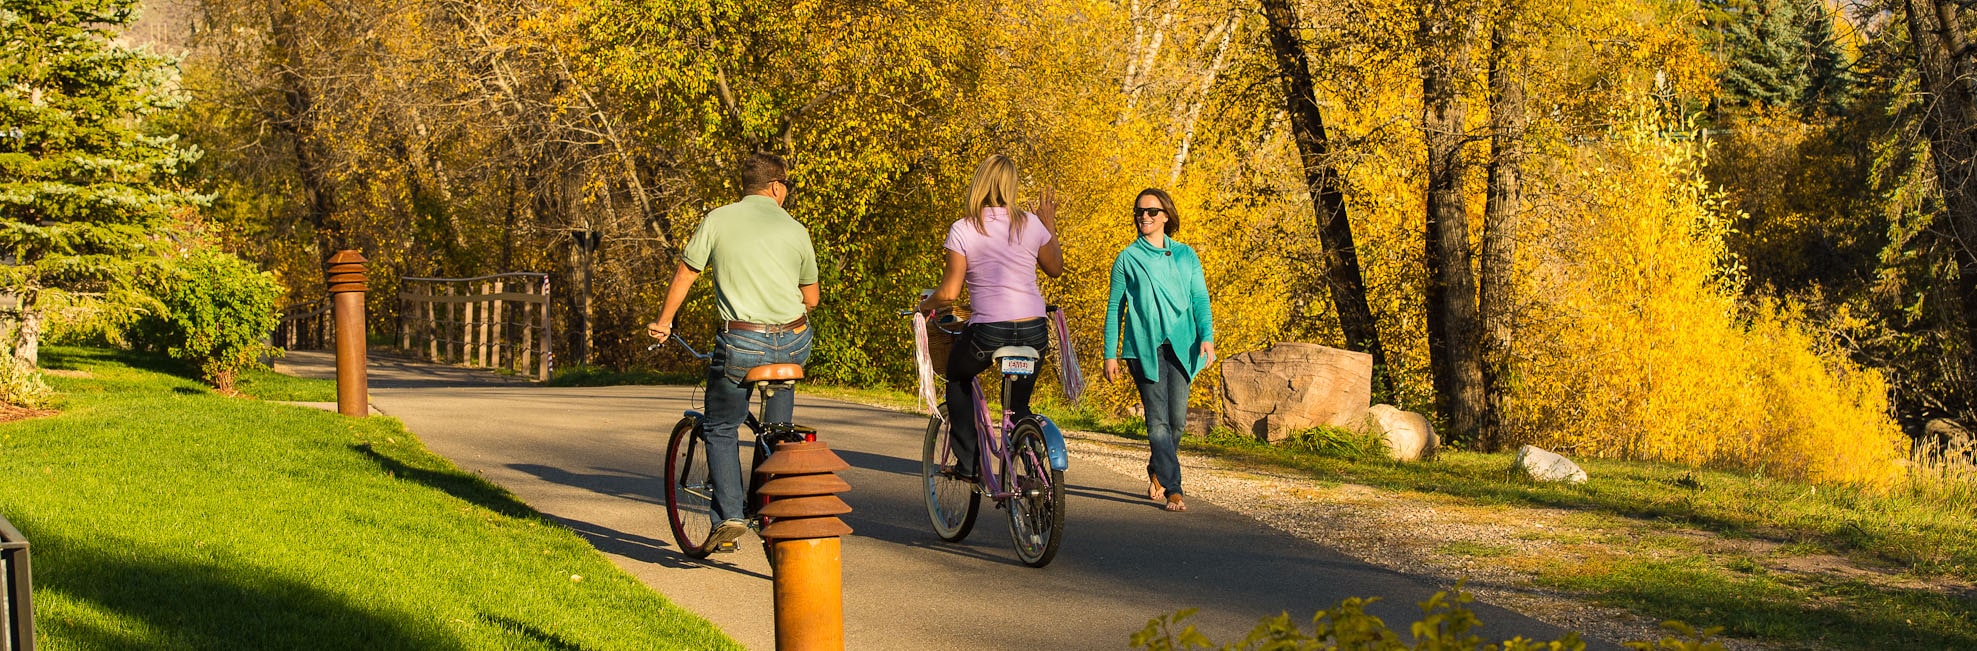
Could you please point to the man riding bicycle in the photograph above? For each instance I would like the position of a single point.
(765, 282)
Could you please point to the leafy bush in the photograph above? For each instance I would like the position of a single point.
(216, 310)
(1644, 348)
(1445, 626)
(20, 385)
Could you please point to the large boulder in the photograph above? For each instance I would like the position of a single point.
(1544, 465)
(1277, 391)
(1409, 436)
(1944, 443)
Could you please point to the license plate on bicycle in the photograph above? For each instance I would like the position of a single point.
(1019, 366)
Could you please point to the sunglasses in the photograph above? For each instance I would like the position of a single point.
(1147, 212)
(787, 186)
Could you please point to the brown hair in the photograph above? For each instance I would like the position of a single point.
(761, 169)
(1166, 204)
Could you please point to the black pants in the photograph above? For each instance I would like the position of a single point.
(973, 353)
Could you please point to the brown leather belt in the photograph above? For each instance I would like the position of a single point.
(798, 325)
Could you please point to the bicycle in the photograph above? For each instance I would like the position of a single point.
(689, 485)
(1029, 452)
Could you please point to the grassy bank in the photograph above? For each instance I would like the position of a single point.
(165, 516)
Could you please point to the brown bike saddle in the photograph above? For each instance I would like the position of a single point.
(775, 373)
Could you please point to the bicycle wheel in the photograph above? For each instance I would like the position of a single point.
(689, 488)
(1036, 512)
(952, 504)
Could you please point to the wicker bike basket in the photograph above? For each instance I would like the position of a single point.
(941, 333)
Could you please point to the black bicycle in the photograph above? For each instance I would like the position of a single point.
(689, 482)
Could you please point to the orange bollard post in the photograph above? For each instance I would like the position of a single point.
(804, 534)
(346, 289)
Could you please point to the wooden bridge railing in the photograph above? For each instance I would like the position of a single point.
(305, 326)
(500, 321)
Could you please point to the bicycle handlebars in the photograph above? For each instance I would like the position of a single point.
(683, 344)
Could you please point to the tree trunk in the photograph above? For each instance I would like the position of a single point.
(297, 123)
(1454, 337)
(1500, 225)
(1341, 259)
(27, 327)
(1936, 28)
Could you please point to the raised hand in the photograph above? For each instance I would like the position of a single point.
(1047, 209)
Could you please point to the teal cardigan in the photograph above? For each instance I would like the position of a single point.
(1160, 296)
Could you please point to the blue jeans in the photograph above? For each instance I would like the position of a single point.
(735, 352)
(973, 353)
(1166, 404)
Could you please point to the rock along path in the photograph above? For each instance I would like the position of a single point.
(592, 458)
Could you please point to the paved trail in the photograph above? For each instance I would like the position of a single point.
(592, 458)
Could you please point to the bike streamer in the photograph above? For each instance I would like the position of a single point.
(924, 363)
(1067, 360)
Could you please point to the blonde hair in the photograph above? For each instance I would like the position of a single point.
(994, 187)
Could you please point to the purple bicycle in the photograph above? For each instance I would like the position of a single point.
(1015, 461)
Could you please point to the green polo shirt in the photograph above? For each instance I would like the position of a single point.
(760, 255)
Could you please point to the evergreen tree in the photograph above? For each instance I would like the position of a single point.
(1830, 76)
(1782, 53)
(1766, 48)
(84, 189)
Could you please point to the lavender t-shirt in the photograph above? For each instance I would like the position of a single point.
(1002, 274)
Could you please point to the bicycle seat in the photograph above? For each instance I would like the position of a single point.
(1016, 351)
(775, 373)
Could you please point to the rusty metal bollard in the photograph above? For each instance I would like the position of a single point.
(804, 538)
(346, 288)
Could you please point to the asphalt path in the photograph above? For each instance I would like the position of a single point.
(592, 458)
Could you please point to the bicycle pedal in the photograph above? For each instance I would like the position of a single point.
(728, 547)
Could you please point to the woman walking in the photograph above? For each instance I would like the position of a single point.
(995, 250)
(1160, 301)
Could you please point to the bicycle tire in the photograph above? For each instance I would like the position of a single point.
(689, 488)
(952, 504)
(1036, 511)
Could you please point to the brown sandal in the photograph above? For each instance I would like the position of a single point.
(1175, 504)
(1153, 490)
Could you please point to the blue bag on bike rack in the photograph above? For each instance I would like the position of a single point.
(1053, 438)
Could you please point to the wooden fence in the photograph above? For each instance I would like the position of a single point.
(500, 321)
(305, 326)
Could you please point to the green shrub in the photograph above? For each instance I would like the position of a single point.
(20, 385)
(216, 310)
(1445, 626)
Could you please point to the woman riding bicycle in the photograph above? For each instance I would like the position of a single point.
(996, 251)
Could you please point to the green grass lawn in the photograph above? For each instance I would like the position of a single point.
(269, 385)
(165, 516)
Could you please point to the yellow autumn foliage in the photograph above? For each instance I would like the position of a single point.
(1640, 348)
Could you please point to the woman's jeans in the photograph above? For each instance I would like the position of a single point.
(735, 352)
(973, 353)
(1166, 405)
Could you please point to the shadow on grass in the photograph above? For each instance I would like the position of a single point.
(472, 489)
(200, 605)
(524, 630)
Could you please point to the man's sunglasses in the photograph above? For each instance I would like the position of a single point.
(1147, 212)
(787, 186)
